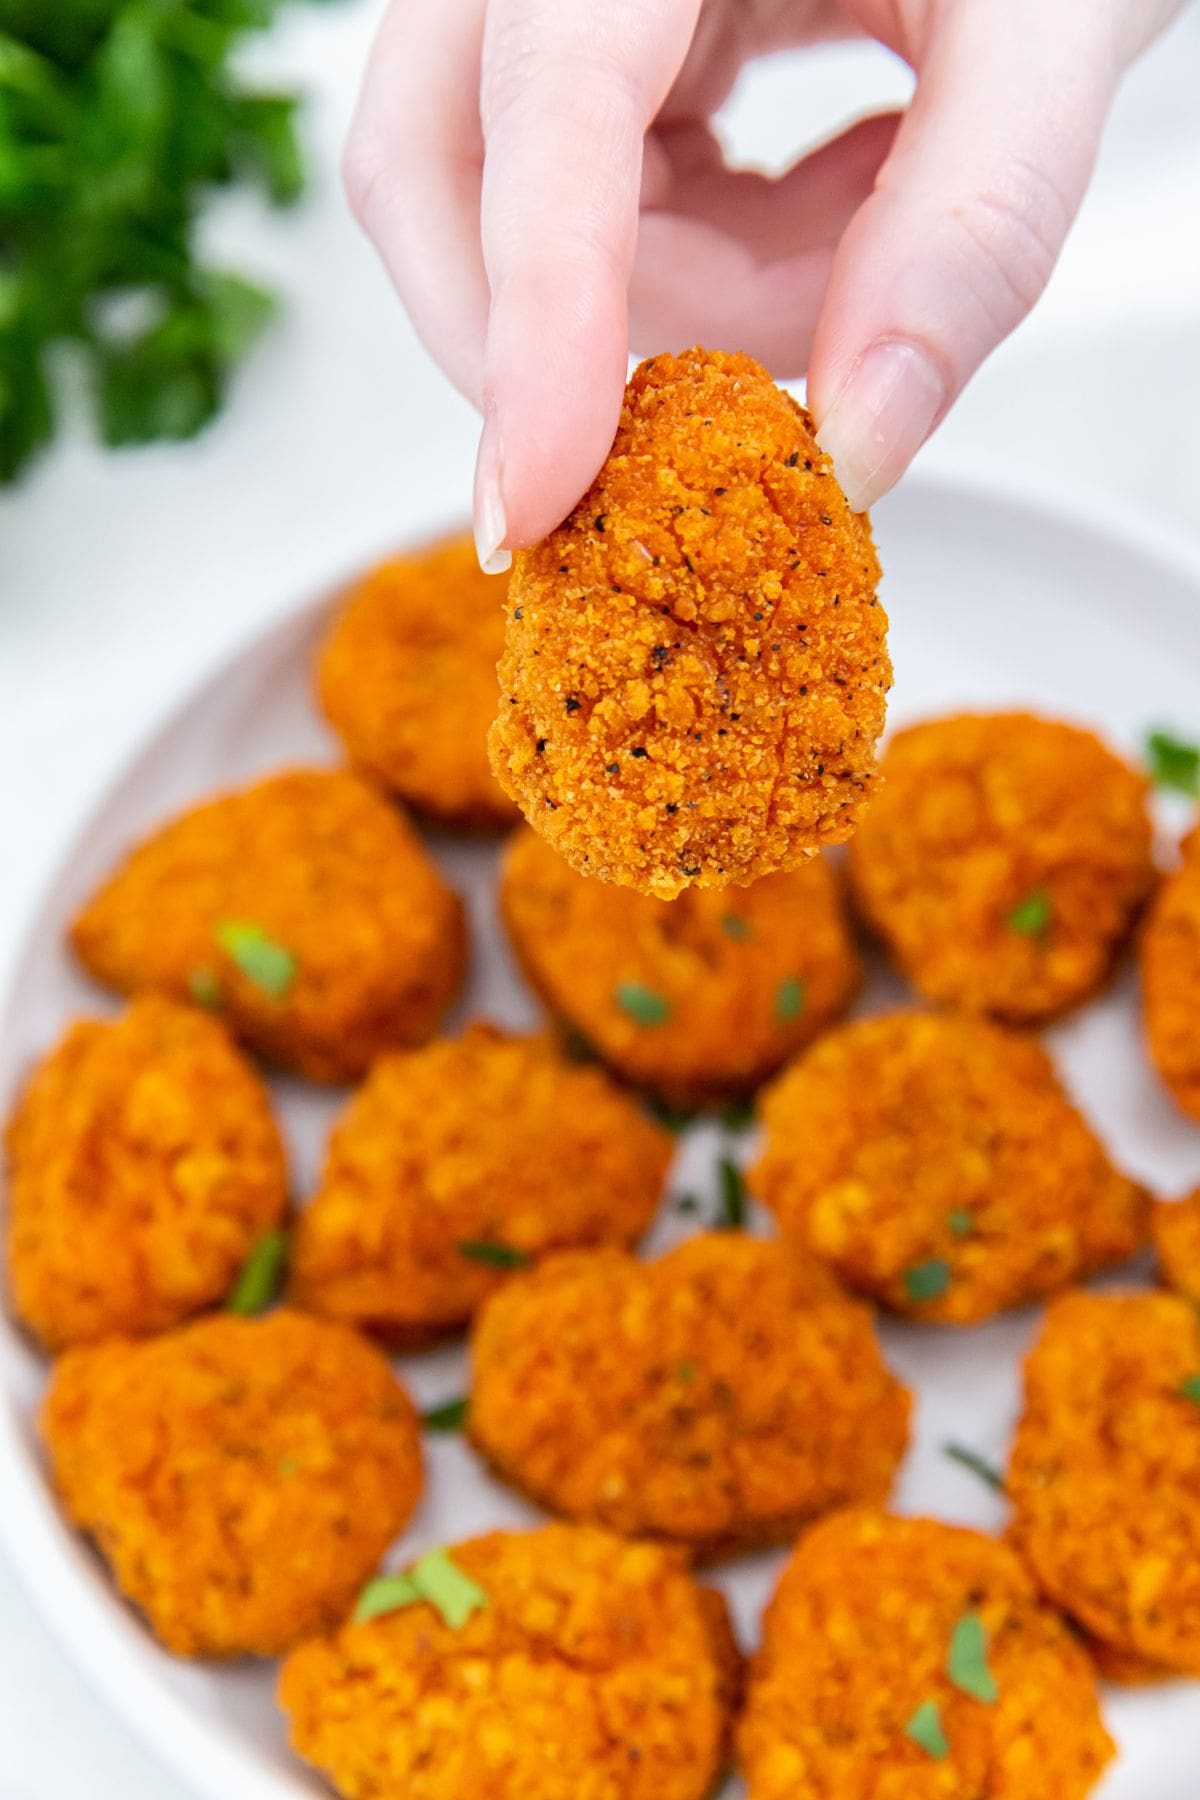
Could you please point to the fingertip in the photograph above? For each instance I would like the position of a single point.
(875, 423)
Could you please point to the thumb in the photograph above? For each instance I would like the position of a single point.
(966, 222)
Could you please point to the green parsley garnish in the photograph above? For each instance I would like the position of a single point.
(966, 1663)
(451, 1415)
(261, 1276)
(671, 1118)
(732, 1213)
(1173, 764)
(735, 927)
(738, 1115)
(118, 118)
(1190, 1389)
(791, 997)
(261, 960)
(495, 1255)
(925, 1729)
(642, 1003)
(927, 1280)
(961, 1223)
(205, 989)
(435, 1578)
(978, 1465)
(1031, 916)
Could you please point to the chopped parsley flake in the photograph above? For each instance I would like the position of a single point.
(385, 1594)
(205, 989)
(261, 960)
(451, 1415)
(642, 1003)
(978, 1465)
(738, 1115)
(925, 1729)
(791, 996)
(1190, 1389)
(437, 1579)
(261, 1275)
(927, 1280)
(1031, 916)
(967, 1665)
(686, 1371)
(495, 1255)
(1173, 763)
(961, 1222)
(732, 1213)
(735, 927)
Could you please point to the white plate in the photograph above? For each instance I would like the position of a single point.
(993, 600)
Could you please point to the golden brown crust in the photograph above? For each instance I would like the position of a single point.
(857, 1638)
(597, 1669)
(696, 664)
(143, 1164)
(747, 977)
(242, 1477)
(1170, 968)
(717, 1398)
(1105, 1471)
(1175, 1234)
(484, 1138)
(937, 1164)
(406, 675)
(977, 816)
(332, 873)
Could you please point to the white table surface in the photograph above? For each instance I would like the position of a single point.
(123, 577)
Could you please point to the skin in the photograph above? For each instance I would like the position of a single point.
(546, 195)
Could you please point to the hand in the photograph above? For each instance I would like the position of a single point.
(542, 180)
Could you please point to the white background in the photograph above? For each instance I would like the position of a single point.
(122, 578)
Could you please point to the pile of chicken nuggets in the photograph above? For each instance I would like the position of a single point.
(692, 673)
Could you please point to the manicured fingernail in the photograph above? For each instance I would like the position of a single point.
(880, 418)
(491, 527)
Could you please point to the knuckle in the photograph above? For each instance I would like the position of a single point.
(1012, 231)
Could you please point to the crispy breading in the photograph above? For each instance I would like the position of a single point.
(143, 1164)
(364, 942)
(695, 666)
(1170, 969)
(1003, 861)
(857, 1641)
(596, 1671)
(938, 1164)
(1105, 1472)
(241, 1476)
(1175, 1234)
(482, 1139)
(697, 998)
(716, 1398)
(406, 675)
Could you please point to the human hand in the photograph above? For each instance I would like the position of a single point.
(543, 183)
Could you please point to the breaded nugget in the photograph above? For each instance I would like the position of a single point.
(1105, 1471)
(1170, 967)
(407, 678)
(476, 1144)
(302, 908)
(695, 664)
(1175, 1234)
(143, 1164)
(716, 1398)
(1003, 861)
(904, 1659)
(937, 1164)
(698, 998)
(593, 1670)
(241, 1476)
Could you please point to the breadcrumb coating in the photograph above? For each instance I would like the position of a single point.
(332, 877)
(858, 1637)
(698, 998)
(406, 675)
(1003, 861)
(597, 1671)
(1105, 1471)
(485, 1139)
(937, 1164)
(241, 1476)
(716, 1398)
(143, 1165)
(1170, 969)
(695, 664)
(1175, 1234)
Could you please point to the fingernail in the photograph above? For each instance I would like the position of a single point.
(880, 418)
(491, 527)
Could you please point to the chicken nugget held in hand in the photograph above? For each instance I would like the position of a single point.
(696, 666)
